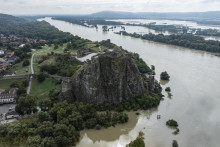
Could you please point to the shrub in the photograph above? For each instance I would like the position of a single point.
(164, 76)
(170, 95)
(25, 83)
(176, 131)
(172, 123)
(26, 62)
(14, 85)
(138, 142)
(167, 89)
(175, 144)
(41, 77)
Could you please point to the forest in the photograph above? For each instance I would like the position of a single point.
(184, 40)
(10, 25)
(58, 125)
(208, 32)
(84, 21)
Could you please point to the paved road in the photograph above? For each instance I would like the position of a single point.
(32, 58)
(32, 72)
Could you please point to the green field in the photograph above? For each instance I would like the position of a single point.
(5, 84)
(41, 90)
(18, 69)
(49, 49)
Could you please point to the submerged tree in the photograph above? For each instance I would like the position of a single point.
(138, 142)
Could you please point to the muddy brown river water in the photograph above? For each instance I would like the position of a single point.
(195, 78)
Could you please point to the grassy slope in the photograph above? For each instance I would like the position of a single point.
(41, 90)
(5, 84)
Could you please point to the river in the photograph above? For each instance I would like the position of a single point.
(189, 24)
(195, 78)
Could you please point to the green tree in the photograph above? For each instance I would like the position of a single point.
(175, 144)
(164, 76)
(21, 91)
(56, 46)
(172, 123)
(26, 104)
(43, 116)
(138, 142)
(45, 129)
(45, 104)
(14, 84)
(26, 62)
(41, 77)
(48, 142)
(91, 123)
(76, 120)
(168, 89)
(33, 141)
(25, 83)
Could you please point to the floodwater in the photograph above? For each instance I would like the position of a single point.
(189, 24)
(195, 104)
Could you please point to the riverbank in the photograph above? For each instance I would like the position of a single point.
(190, 86)
(183, 40)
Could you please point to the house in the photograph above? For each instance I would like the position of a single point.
(15, 43)
(9, 54)
(2, 59)
(8, 97)
(12, 59)
(2, 67)
(2, 91)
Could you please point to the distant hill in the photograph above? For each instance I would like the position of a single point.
(10, 19)
(11, 25)
(212, 15)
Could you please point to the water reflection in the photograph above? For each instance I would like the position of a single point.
(164, 82)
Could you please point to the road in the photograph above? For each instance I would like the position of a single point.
(32, 72)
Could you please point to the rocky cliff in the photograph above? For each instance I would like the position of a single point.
(108, 78)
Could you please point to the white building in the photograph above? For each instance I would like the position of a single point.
(8, 97)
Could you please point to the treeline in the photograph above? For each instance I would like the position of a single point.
(142, 66)
(184, 40)
(84, 21)
(208, 32)
(57, 127)
(10, 25)
(208, 22)
(163, 28)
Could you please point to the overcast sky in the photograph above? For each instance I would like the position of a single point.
(91, 6)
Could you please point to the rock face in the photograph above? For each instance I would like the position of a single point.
(106, 43)
(82, 53)
(108, 78)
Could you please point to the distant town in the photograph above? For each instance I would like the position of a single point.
(8, 45)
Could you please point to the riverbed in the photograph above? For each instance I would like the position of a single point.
(194, 83)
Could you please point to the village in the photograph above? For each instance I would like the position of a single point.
(8, 46)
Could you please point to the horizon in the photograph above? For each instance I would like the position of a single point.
(85, 7)
(109, 11)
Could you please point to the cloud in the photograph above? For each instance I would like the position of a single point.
(91, 6)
